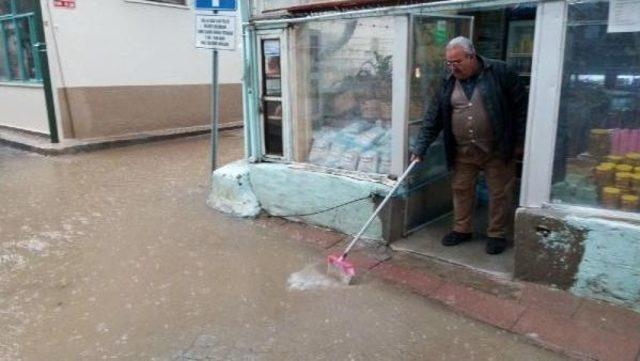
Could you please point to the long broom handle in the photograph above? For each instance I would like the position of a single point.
(384, 202)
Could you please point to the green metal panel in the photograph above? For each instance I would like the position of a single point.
(23, 71)
(5, 50)
(34, 48)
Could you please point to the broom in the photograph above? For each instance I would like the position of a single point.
(338, 266)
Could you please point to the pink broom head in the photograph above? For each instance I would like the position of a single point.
(343, 265)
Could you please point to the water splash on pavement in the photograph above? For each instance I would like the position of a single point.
(312, 276)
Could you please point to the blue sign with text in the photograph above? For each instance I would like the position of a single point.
(219, 5)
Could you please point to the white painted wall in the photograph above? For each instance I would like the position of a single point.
(127, 42)
(23, 107)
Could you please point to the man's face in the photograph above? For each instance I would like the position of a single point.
(461, 64)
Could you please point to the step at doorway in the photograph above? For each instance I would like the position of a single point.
(426, 242)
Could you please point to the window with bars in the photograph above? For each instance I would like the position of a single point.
(19, 57)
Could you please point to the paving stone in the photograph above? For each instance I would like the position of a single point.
(609, 317)
(577, 338)
(419, 282)
(482, 306)
(560, 302)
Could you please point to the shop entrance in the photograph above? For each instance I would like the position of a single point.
(504, 34)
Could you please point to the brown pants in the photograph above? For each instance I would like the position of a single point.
(500, 179)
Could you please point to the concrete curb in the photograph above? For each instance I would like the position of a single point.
(38, 144)
(554, 319)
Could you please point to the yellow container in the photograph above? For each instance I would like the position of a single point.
(605, 174)
(624, 168)
(599, 142)
(615, 159)
(629, 203)
(623, 180)
(635, 182)
(637, 169)
(632, 159)
(611, 197)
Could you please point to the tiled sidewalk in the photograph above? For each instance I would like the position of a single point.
(555, 319)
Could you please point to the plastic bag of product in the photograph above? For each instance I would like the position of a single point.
(345, 140)
(368, 162)
(349, 160)
(370, 137)
(385, 163)
(335, 154)
(357, 127)
(385, 139)
(319, 151)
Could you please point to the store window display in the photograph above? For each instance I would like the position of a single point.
(343, 94)
(598, 144)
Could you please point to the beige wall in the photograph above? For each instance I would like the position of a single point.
(130, 66)
(94, 112)
(23, 107)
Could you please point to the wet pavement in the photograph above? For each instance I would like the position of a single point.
(114, 255)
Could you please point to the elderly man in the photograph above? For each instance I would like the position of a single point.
(481, 107)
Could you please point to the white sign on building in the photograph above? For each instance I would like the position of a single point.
(216, 32)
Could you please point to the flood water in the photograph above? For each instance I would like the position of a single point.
(114, 255)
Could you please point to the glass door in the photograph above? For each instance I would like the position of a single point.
(272, 95)
(430, 193)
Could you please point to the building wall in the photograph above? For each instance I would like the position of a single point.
(125, 66)
(23, 107)
(587, 254)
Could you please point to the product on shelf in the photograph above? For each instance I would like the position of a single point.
(629, 202)
(599, 142)
(605, 174)
(635, 183)
(615, 159)
(611, 197)
(623, 180)
(624, 168)
(361, 145)
(633, 159)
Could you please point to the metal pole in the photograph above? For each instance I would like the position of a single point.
(46, 75)
(215, 106)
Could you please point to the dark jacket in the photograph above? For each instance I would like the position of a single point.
(505, 100)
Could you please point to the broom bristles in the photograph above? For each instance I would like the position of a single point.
(340, 269)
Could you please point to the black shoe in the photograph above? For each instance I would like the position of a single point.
(455, 238)
(496, 245)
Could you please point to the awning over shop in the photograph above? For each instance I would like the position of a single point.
(345, 4)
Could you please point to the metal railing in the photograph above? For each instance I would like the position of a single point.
(20, 58)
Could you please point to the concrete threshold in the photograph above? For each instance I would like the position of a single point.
(555, 319)
(41, 144)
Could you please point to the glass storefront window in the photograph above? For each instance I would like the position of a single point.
(597, 160)
(343, 83)
(272, 97)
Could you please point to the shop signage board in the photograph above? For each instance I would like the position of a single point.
(624, 16)
(217, 5)
(215, 32)
(69, 4)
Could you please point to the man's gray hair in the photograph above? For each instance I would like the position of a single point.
(464, 43)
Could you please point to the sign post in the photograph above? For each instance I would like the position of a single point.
(215, 32)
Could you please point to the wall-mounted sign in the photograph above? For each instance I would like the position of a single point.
(69, 4)
(219, 5)
(215, 32)
(624, 16)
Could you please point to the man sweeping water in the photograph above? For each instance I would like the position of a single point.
(481, 108)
